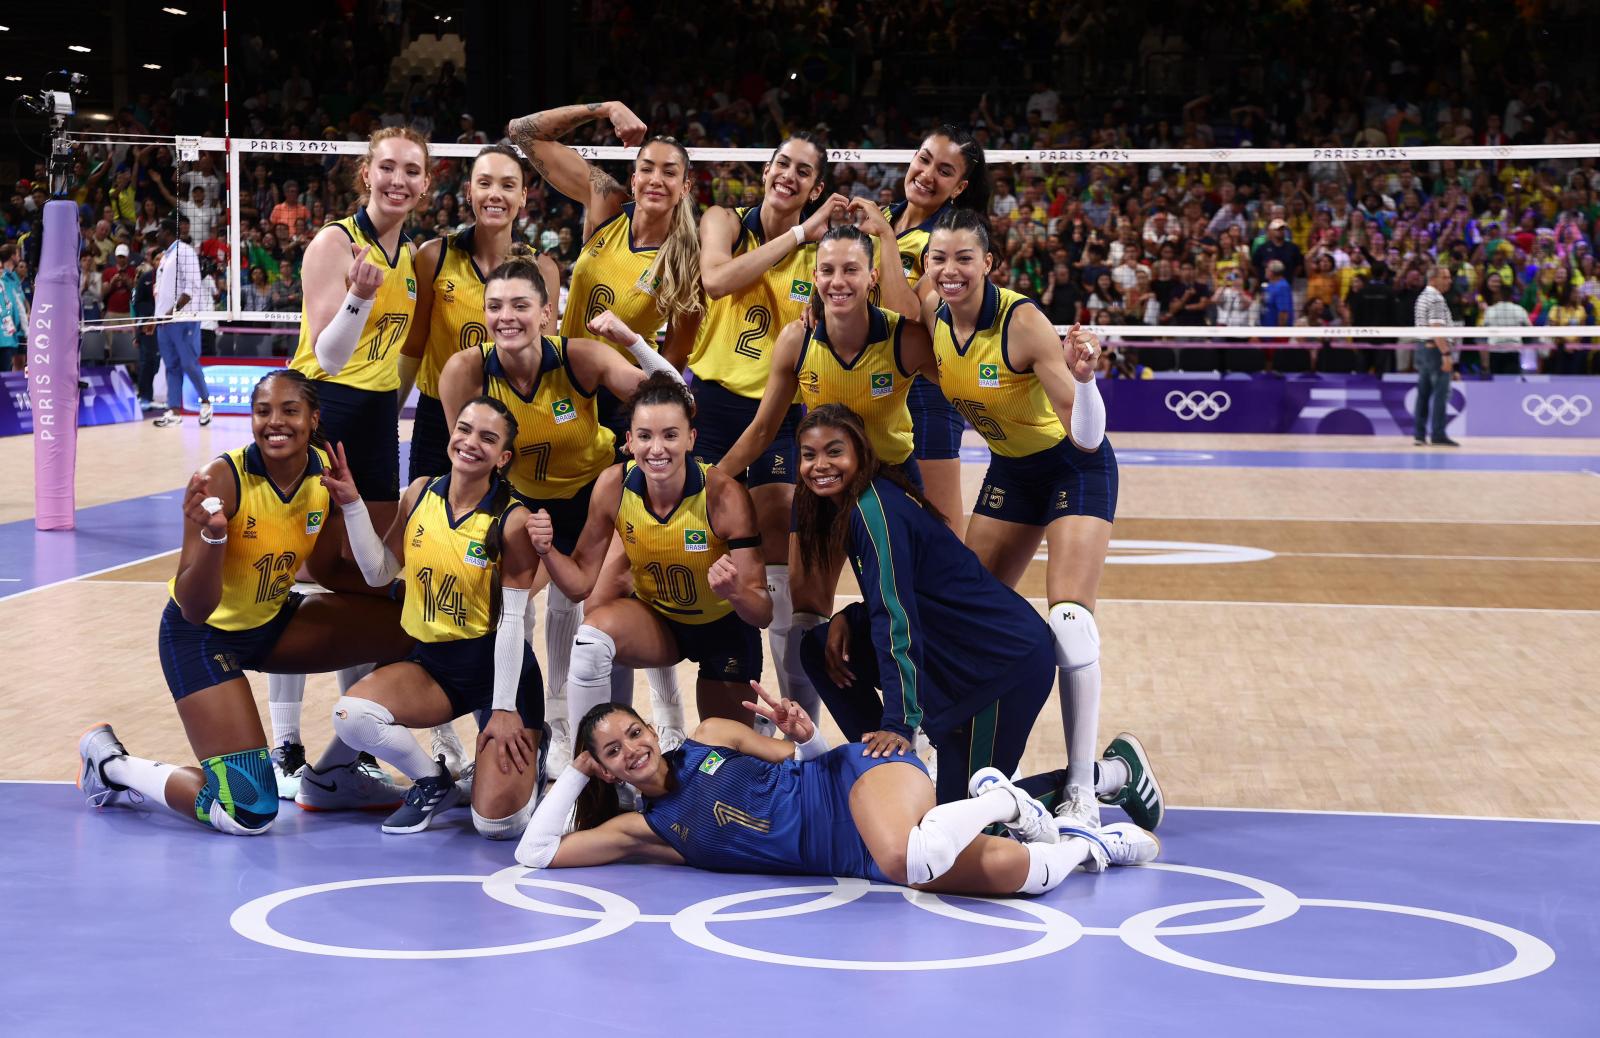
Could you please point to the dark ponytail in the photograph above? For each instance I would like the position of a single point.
(976, 194)
(598, 802)
(499, 501)
(308, 395)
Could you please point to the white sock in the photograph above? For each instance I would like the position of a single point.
(1110, 775)
(371, 728)
(1080, 718)
(800, 687)
(562, 619)
(589, 682)
(946, 830)
(782, 618)
(148, 777)
(1051, 863)
(666, 701)
(284, 695)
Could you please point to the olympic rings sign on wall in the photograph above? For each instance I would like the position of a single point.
(1052, 930)
(1207, 407)
(1548, 410)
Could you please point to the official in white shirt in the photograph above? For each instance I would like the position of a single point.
(177, 286)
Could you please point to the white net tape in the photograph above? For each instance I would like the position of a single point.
(1504, 337)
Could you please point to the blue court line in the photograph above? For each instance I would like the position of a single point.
(1422, 459)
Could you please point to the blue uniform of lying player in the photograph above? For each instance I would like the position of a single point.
(953, 649)
(732, 800)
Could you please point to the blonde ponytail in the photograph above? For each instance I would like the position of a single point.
(676, 270)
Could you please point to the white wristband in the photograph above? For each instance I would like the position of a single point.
(813, 747)
(220, 540)
(799, 233)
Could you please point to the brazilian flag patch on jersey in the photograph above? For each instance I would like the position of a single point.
(477, 555)
(563, 410)
(713, 761)
(695, 540)
(799, 291)
(882, 383)
(411, 289)
(313, 522)
(989, 376)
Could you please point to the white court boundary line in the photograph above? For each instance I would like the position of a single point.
(85, 576)
(1176, 807)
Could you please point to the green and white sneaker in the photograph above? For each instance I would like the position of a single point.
(1140, 796)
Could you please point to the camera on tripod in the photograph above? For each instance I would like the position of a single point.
(56, 106)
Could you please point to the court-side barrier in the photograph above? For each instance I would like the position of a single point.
(108, 397)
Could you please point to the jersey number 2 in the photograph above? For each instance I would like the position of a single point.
(760, 320)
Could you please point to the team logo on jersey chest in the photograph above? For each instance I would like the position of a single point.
(713, 761)
(416, 536)
(250, 527)
(988, 376)
(628, 534)
(563, 410)
(411, 289)
(882, 383)
(800, 291)
(449, 290)
(477, 555)
(313, 522)
(695, 540)
(647, 284)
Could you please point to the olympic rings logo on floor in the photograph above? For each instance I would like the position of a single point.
(1207, 407)
(1052, 930)
(1548, 410)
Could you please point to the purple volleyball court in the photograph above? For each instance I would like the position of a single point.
(135, 921)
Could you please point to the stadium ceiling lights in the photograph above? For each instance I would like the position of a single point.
(175, 10)
(152, 66)
(13, 79)
(80, 48)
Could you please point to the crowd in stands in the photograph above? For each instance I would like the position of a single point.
(1178, 244)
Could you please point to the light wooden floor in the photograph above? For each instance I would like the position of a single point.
(1420, 641)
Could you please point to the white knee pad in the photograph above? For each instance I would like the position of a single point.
(360, 722)
(1077, 638)
(509, 828)
(592, 654)
(929, 852)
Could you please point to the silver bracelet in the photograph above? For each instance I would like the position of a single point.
(220, 540)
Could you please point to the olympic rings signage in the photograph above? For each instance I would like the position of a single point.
(1198, 404)
(1050, 929)
(1548, 410)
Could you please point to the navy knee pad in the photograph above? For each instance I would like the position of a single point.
(240, 795)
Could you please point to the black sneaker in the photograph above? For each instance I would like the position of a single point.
(426, 798)
(1444, 441)
(1419, 442)
(288, 758)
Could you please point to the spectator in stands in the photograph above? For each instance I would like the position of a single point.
(1501, 311)
(291, 212)
(1104, 305)
(91, 288)
(117, 282)
(256, 295)
(1280, 249)
(1232, 301)
(1063, 297)
(1190, 301)
(144, 332)
(1277, 298)
(101, 244)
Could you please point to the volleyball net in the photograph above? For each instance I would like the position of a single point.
(251, 233)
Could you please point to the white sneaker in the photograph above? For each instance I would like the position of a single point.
(358, 786)
(169, 418)
(1033, 823)
(559, 754)
(1079, 808)
(205, 412)
(447, 744)
(1127, 844)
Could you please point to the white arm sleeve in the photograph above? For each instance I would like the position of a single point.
(813, 747)
(508, 643)
(651, 360)
(1088, 415)
(537, 848)
(343, 334)
(378, 564)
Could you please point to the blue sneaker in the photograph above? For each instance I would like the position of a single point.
(426, 799)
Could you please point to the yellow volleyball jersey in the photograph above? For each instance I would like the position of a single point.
(448, 572)
(374, 364)
(734, 345)
(670, 556)
(1008, 407)
(873, 385)
(561, 445)
(269, 537)
(610, 275)
(456, 322)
